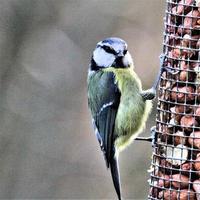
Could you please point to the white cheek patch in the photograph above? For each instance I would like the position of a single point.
(127, 60)
(103, 58)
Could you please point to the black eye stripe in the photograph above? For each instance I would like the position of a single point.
(109, 50)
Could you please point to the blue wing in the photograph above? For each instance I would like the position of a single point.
(103, 99)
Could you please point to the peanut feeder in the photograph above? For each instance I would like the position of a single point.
(175, 167)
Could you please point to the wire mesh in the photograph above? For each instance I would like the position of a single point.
(175, 167)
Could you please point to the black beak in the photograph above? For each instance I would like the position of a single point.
(119, 62)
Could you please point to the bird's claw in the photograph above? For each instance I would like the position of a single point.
(153, 136)
(162, 58)
(171, 70)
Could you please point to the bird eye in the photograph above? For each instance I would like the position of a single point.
(125, 51)
(109, 50)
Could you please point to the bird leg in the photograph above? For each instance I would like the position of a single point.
(146, 139)
(152, 138)
(151, 93)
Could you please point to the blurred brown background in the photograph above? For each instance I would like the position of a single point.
(47, 145)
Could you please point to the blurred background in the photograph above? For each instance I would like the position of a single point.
(47, 145)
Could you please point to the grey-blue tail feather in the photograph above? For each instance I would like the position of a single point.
(115, 175)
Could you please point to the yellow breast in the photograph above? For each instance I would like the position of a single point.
(133, 111)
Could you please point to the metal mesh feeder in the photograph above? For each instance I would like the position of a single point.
(175, 167)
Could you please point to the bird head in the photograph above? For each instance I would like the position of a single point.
(111, 52)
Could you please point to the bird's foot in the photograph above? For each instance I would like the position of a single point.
(167, 68)
(153, 136)
(162, 58)
(149, 94)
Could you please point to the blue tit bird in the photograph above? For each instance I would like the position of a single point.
(119, 107)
